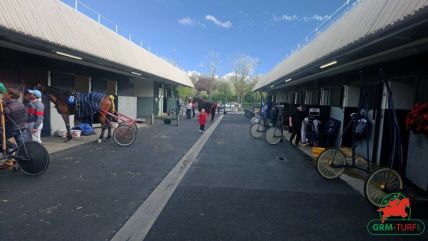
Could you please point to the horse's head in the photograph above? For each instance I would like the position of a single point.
(195, 99)
(40, 87)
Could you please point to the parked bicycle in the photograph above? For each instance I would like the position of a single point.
(275, 133)
(259, 127)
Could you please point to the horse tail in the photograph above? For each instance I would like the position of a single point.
(112, 105)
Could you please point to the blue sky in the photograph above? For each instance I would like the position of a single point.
(186, 30)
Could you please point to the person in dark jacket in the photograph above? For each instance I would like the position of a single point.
(15, 113)
(295, 123)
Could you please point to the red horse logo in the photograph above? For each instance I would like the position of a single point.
(395, 208)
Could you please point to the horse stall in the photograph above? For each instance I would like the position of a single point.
(145, 101)
(417, 158)
(64, 81)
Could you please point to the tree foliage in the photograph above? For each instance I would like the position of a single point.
(243, 66)
(223, 92)
(205, 83)
(184, 92)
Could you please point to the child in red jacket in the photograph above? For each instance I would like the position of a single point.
(202, 118)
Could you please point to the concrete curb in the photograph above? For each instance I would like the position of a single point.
(140, 223)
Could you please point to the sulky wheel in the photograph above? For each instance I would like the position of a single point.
(331, 163)
(380, 183)
(32, 158)
(257, 130)
(273, 135)
(124, 135)
(133, 125)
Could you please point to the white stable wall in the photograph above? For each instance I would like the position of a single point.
(127, 105)
(143, 88)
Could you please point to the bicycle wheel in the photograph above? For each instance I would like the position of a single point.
(133, 125)
(380, 183)
(32, 158)
(331, 163)
(257, 130)
(273, 135)
(124, 135)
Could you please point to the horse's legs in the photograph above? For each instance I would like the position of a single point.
(103, 126)
(109, 118)
(105, 107)
(212, 114)
(66, 119)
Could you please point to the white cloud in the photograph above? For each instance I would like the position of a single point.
(226, 24)
(285, 17)
(190, 22)
(316, 17)
(193, 73)
(228, 75)
(291, 18)
(186, 21)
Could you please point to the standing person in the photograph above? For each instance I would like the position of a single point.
(202, 119)
(35, 112)
(189, 109)
(295, 123)
(15, 116)
(193, 109)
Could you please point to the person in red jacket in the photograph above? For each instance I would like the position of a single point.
(202, 119)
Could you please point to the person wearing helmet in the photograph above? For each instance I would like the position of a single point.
(35, 112)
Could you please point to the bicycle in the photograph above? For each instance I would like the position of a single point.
(275, 133)
(259, 124)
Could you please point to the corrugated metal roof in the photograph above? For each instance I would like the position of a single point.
(364, 19)
(55, 22)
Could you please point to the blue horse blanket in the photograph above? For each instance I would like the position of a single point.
(88, 104)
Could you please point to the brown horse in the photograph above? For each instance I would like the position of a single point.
(101, 105)
(209, 107)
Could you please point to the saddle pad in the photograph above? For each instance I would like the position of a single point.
(88, 104)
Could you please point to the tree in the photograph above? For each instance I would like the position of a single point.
(205, 83)
(223, 92)
(213, 59)
(184, 91)
(242, 67)
(203, 94)
(194, 76)
(249, 96)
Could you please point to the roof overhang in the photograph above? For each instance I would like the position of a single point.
(12, 40)
(398, 43)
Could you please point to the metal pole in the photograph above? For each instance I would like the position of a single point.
(3, 146)
(75, 5)
(99, 18)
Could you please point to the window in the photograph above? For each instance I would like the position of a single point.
(336, 97)
(299, 97)
(325, 98)
(312, 97)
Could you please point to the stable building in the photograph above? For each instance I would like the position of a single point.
(372, 41)
(48, 42)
